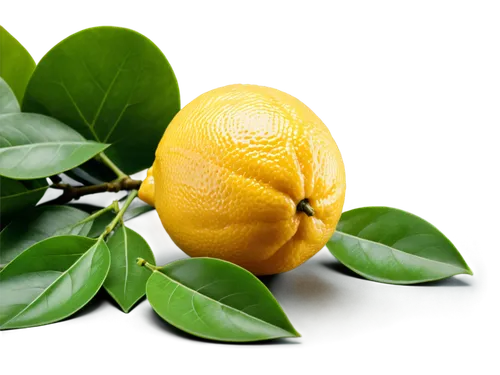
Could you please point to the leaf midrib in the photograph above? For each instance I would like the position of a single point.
(51, 284)
(91, 125)
(60, 143)
(108, 90)
(24, 192)
(403, 252)
(125, 246)
(220, 303)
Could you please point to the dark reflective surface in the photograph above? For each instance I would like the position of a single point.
(322, 298)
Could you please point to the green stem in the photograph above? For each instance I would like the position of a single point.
(119, 216)
(143, 263)
(107, 161)
(112, 207)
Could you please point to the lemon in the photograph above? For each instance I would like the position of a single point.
(248, 174)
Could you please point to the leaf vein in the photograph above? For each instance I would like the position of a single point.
(78, 110)
(196, 312)
(39, 144)
(21, 159)
(125, 243)
(227, 306)
(23, 192)
(43, 295)
(38, 132)
(6, 140)
(20, 132)
(55, 155)
(110, 87)
(399, 251)
(171, 295)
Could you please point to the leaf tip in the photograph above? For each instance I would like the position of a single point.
(468, 271)
(296, 334)
(125, 310)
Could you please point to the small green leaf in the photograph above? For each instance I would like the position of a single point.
(39, 224)
(16, 64)
(126, 282)
(16, 196)
(8, 101)
(137, 208)
(34, 146)
(99, 224)
(393, 246)
(124, 93)
(216, 300)
(51, 280)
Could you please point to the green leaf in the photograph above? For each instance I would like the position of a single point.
(16, 64)
(136, 209)
(126, 282)
(100, 223)
(216, 300)
(51, 280)
(393, 246)
(34, 146)
(39, 224)
(8, 101)
(124, 92)
(16, 196)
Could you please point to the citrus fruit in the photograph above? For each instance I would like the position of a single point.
(250, 175)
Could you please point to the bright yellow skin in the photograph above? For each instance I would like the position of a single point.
(230, 171)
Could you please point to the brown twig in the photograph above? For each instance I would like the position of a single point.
(75, 192)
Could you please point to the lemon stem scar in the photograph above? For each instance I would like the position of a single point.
(305, 207)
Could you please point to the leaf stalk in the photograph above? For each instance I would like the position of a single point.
(109, 163)
(144, 263)
(119, 216)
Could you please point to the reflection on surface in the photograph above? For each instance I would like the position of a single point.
(322, 298)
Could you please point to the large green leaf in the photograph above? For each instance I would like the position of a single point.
(16, 196)
(38, 224)
(16, 64)
(51, 280)
(393, 246)
(126, 282)
(112, 85)
(216, 300)
(8, 101)
(34, 146)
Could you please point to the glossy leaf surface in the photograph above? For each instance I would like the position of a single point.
(16, 64)
(16, 196)
(8, 101)
(34, 146)
(126, 282)
(217, 300)
(100, 223)
(39, 224)
(393, 246)
(51, 280)
(124, 92)
(137, 208)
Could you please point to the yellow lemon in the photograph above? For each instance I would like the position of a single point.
(250, 175)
